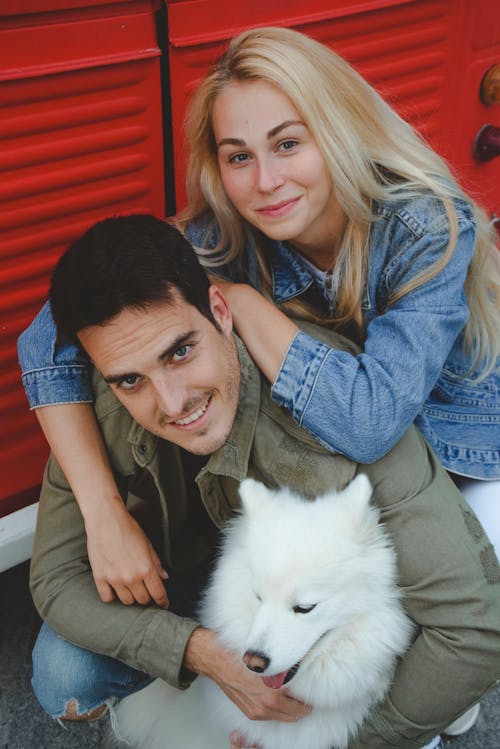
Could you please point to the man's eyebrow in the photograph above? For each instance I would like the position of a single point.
(176, 344)
(119, 377)
(271, 134)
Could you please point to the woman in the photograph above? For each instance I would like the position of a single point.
(307, 187)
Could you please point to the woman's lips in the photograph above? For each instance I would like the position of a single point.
(278, 209)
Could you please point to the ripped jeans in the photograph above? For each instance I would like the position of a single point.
(65, 673)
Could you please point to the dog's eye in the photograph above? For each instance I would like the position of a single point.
(303, 609)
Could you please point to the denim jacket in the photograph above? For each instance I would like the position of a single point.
(413, 367)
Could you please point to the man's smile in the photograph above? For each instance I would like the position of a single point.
(194, 415)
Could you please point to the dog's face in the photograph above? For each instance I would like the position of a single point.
(308, 571)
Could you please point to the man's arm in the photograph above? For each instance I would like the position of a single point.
(146, 637)
(450, 580)
(205, 655)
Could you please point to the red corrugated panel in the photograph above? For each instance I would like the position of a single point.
(45, 43)
(477, 50)
(426, 57)
(81, 138)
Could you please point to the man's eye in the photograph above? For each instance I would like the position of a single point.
(129, 383)
(181, 353)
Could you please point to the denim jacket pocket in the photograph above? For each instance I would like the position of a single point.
(466, 391)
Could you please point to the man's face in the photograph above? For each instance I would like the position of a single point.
(175, 373)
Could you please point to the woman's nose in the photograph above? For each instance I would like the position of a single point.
(269, 176)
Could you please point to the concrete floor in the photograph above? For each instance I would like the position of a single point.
(23, 724)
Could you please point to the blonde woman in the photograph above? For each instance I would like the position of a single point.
(311, 193)
(305, 184)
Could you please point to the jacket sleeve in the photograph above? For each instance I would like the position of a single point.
(450, 580)
(361, 405)
(53, 371)
(148, 638)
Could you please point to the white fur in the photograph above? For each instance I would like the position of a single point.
(280, 552)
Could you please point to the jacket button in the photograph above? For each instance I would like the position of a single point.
(143, 449)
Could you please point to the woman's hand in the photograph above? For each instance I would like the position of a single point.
(122, 558)
(265, 330)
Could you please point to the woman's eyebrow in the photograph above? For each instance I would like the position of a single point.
(271, 134)
(275, 130)
(231, 142)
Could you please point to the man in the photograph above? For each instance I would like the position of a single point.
(177, 398)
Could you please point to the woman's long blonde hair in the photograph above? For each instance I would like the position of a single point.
(372, 155)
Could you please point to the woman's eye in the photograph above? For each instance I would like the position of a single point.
(287, 145)
(129, 383)
(238, 158)
(298, 609)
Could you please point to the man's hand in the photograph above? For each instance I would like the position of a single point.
(122, 558)
(205, 655)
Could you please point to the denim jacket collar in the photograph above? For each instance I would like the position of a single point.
(290, 277)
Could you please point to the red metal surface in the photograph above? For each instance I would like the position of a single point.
(12, 8)
(81, 138)
(427, 57)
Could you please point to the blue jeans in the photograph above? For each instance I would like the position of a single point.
(63, 672)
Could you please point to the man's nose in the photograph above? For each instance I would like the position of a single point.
(269, 175)
(171, 396)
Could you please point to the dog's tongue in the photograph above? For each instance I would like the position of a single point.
(276, 681)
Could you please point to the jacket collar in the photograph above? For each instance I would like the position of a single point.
(290, 277)
(233, 457)
(144, 444)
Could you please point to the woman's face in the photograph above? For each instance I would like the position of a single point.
(272, 169)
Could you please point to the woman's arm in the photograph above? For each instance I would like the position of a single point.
(123, 561)
(361, 405)
(122, 558)
(266, 331)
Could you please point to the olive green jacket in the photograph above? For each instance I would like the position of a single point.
(447, 569)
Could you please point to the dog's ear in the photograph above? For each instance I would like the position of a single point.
(253, 495)
(358, 493)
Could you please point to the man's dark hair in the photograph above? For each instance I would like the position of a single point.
(126, 261)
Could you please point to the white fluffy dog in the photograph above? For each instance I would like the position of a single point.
(305, 592)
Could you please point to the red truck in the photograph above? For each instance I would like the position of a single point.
(92, 100)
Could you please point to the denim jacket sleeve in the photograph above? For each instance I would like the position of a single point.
(360, 406)
(53, 372)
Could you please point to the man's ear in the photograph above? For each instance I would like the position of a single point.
(220, 309)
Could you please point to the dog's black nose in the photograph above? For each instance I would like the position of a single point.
(255, 661)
